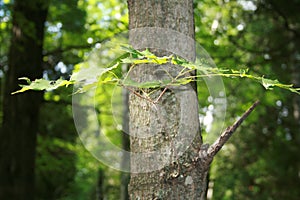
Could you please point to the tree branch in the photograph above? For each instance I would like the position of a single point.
(212, 150)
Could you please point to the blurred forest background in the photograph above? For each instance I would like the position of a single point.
(261, 161)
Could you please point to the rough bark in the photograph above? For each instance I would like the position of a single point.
(20, 112)
(172, 173)
(125, 176)
(168, 159)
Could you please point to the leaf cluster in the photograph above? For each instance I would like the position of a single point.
(135, 57)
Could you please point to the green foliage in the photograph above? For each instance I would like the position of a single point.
(56, 159)
(251, 165)
(260, 162)
(136, 57)
(64, 169)
(42, 84)
(56, 164)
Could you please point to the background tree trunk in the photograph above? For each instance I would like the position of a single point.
(153, 128)
(20, 112)
(100, 193)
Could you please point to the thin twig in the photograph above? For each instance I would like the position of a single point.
(218, 144)
(160, 95)
(137, 94)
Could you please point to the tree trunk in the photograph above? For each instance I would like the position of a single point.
(20, 112)
(100, 185)
(165, 136)
(125, 176)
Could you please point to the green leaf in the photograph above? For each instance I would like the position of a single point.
(90, 73)
(269, 84)
(145, 85)
(129, 49)
(148, 54)
(42, 84)
(178, 61)
(26, 79)
(128, 60)
(183, 81)
(190, 66)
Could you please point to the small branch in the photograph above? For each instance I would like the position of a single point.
(137, 94)
(219, 143)
(161, 94)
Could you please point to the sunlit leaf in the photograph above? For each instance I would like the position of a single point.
(90, 73)
(183, 81)
(90, 76)
(268, 83)
(42, 84)
(148, 54)
(149, 84)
